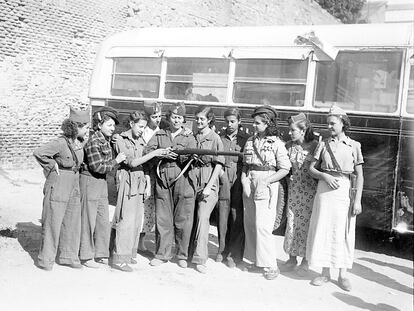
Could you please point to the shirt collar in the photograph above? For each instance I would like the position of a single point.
(346, 140)
(101, 137)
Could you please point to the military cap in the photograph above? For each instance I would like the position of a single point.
(178, 108)
(336, 111)
(80, 116)
(151, 107)
(269, 110)
(106, 111)
(301, 117)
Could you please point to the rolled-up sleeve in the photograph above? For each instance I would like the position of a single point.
(359, 159)
(282, 158)
(318, 151)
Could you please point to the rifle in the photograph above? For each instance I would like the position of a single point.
(201, 152)
(198, 152)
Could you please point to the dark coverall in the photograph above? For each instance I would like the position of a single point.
(129, 212)
(174, 199)
(61, 215)
(205, 205)
(230, 230)
(94, 197)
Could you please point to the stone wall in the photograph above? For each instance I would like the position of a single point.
(48, 47)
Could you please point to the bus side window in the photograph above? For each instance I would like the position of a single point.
(281, 82)
(197, 79)
(136, 77)
(360, 81)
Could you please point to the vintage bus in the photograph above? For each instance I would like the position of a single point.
(368, 70)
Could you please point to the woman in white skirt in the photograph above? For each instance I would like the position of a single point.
(331, 236)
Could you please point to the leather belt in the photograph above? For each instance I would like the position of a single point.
(254, 167)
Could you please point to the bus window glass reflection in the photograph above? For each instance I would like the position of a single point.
(197, 79)
(410, 98)
(281, 82)
(136, 77)
(360, 81)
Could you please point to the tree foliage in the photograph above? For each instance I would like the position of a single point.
(348, 11)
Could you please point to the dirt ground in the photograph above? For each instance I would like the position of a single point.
(380, 281)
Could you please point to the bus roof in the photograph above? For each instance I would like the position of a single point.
(351, 35)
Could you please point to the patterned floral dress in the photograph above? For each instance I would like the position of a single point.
(301, 192)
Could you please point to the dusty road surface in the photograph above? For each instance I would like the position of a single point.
(380, 282)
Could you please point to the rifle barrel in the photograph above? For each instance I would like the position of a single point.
(207, 152)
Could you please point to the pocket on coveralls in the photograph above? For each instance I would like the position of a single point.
(61, 189)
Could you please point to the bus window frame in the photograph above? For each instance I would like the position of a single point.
(248, 105)
(113, 74)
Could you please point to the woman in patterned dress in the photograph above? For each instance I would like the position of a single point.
(301, 190)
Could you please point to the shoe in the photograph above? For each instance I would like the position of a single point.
(345, 284)
(182, 263)
(132, 261)
(271, 274)
(100, 261)
(90, 264)
(122, 267)
(201, 268)
(157, 262)
(320, 280)
(46, 268)
(230, 263)
(219, 258)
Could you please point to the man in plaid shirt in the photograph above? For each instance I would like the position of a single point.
(94, 189)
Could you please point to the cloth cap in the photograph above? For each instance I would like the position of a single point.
(335, 110)
(151, 107)
(178, 108)
(298, 117)
(80, 116)
(269, 110)
(106, 111)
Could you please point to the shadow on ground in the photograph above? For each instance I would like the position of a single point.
(406, 270)
(373, 276)
(360, 303)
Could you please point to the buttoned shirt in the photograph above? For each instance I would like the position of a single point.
(210, 141)
(347, 153)
(272, 152)
(98, 151)
(234, 143)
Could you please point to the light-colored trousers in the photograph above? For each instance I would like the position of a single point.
(259, 218)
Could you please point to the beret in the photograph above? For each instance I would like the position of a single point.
(106, 111)
(269, 110)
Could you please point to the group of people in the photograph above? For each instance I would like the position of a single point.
(155, 171)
